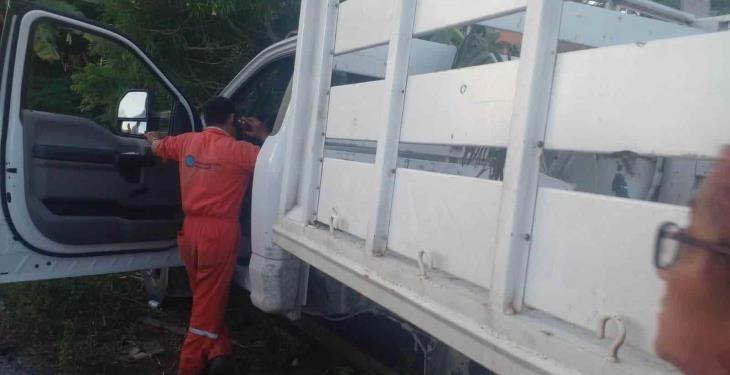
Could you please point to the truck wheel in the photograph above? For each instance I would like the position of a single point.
(155, 282)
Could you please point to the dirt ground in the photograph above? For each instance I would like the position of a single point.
(97, 325)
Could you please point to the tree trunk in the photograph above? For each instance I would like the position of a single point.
(700, 8)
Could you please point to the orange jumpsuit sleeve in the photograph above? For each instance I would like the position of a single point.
(170, 147)
(245, 155)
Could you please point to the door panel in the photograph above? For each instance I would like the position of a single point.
(75, 185)
(86, 185)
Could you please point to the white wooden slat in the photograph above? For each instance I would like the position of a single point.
(347, 187)
(426, 57)
(363, 23)
(588, 25)
(474, 106)
(434, 15)
(356, 111)
(666, 97)
(592, 255)
(367, 23)
(453, 218)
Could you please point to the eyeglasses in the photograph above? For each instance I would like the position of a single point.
(669, 241)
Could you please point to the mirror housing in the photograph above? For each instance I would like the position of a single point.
(133, 112)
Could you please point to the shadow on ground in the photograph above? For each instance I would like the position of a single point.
(101, 325)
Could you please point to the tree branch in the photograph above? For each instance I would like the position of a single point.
(164, 32)
(204, 47)
(269, 28)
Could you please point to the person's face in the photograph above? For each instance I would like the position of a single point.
(696, 309)
(695, 317)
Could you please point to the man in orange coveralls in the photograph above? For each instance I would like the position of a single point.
(215, 171)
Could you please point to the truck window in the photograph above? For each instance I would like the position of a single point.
(81, 74)
(262, 94)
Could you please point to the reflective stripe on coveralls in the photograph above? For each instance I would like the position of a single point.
(200, 332)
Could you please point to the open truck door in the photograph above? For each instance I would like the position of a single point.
(81, 192)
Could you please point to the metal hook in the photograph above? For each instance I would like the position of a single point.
(333, 221)
(620, 338)
(425, 263)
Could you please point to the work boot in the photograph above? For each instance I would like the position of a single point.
(222, 365)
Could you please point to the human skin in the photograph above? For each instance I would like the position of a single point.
(694, 324)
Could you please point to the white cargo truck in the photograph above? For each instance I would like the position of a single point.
(491, 172)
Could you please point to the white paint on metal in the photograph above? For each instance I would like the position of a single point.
(347, 189)
(656, 9)
(21, 265)
(474, 106)
(620, 335)
(546, 340)
(357, 111)
(522, 165)
(364, 23)
(453, 217)
(585, 247)
(367, 23)
(434, 15)
(648, 113)
(592, 26)
(712, 24)
(368, 62)
(265, 207)
(317, 115)
(426, 57)
(386, 156)
(312, 72)
(459, 314)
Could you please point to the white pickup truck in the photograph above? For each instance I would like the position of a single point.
(492, 172)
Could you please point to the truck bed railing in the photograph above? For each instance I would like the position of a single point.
(524, 248)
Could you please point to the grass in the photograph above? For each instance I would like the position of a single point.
(87, 325)
(73, 325)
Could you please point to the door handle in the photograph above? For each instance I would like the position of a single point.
(134, 159)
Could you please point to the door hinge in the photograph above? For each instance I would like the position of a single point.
(12, 170)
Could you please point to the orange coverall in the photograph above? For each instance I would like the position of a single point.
(215, 171)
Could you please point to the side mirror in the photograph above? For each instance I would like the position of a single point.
(133, 112)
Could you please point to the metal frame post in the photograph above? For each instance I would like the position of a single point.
(386, 158)
(310, 99)
(526, 139)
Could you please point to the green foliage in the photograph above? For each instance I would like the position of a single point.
(46, 37)
(102, 82)
(200, 45)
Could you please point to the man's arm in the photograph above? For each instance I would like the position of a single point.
(154, 139)
(167, 148)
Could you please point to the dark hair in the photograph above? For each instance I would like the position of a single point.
(217, 110)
